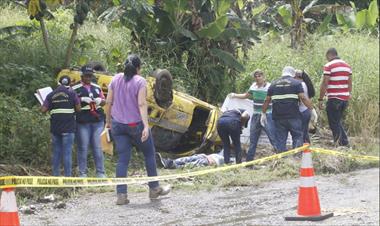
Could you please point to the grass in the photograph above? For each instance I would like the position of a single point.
(100, 42)
(359, 50)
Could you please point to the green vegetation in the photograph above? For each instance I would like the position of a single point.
(25, 65)
(362, 118)
(24, 134)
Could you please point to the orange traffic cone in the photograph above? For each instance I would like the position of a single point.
(308, 200)
(8, 208)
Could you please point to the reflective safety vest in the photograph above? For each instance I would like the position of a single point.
(284, 93)
(89, 113)
(62, 113)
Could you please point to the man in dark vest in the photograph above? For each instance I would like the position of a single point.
(285, 94)
(62, 104)
(230, 124)
(90, 122)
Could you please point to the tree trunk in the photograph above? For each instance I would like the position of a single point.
(69, 51)
(296, 34)
(45, 36)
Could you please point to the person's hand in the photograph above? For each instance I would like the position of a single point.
(314, 116)
(263, 119)
(320, 105)
(98, 101)
(145, 134)
(86, 99)
(231, 95)
(108, 124)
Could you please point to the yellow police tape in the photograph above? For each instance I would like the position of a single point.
(351, 156)
(43, 181)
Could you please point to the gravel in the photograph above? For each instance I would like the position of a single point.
(352, 197)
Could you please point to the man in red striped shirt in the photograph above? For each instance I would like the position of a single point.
(336, 85)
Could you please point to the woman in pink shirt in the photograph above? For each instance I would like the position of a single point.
(127, 116)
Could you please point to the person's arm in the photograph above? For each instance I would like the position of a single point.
(267, 101)
(323, 88)
(103, 99)
(324, 84)
(263, 117)
(108, 108)
(143, 107)
(244, 119)
(240, 95)
(46, 105)
(306, 101)
(77, 106)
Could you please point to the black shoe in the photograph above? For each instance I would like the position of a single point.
(169, 163)
(160, 161)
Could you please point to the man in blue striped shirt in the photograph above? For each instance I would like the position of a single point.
(258, 92)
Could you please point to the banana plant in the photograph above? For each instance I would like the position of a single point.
(82, 8)
(293, 15)
(38, 10)
(15, 32)
(359, 19)
(204, 37)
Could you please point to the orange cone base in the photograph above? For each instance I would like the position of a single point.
(310, 218)
(9, 219)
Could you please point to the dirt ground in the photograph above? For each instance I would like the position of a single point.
(353, 198)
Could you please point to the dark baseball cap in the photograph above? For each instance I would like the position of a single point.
(87, 70)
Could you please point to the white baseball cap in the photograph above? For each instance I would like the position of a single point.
(288, 71)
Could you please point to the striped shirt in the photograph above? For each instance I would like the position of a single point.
(258, 95)
(339, 72)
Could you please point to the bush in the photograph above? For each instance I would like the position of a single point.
(21, 81)
(24, 134)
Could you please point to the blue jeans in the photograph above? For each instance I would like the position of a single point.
(124, 137)
(335, 109)
(194, 160)
(283, 127)
(306, 115)
(89, 133)
(255, 131)
(230, 128)
(62, 148)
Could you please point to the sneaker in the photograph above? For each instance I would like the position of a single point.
(170, 164)
(101, 175)
(159, 191)
(160, 161)
(122, 199)
(82, 175)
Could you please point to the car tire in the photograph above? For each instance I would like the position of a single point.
(163, 93)
(97, 66)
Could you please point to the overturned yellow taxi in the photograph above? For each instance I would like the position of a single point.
(180, 124)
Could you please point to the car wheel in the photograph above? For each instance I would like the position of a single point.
(97, 66)
(163, 93)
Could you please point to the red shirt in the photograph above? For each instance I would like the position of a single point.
(339, 72)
